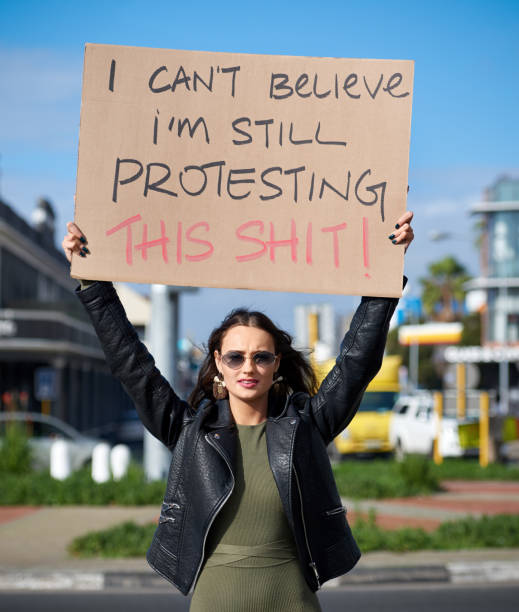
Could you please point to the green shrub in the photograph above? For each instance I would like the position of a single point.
(379, 479)
(131, 540)
(416, 472)
(500, 531)
(126, 540)
(469, 469)
(15, 452)
(39, 488)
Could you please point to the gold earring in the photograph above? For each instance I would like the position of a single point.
(219, 388)
(278, 379)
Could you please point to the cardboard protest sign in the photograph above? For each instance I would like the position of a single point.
(243, 171)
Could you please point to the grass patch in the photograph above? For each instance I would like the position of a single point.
(469, 469)
(500, 531)
(125, 540)
(378, 478)
(385, 478)
(39, 488)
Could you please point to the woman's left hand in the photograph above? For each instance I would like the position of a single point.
(403, 234)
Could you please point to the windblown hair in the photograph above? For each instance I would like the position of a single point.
(294, 367)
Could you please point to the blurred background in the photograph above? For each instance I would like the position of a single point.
(447, 397)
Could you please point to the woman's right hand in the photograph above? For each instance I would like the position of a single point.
(74, 242)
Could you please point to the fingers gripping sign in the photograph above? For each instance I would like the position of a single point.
(403, 234)
(74, 242)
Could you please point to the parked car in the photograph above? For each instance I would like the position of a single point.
(42, 431)
(413, 429)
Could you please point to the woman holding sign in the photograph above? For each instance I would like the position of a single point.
(251, 518)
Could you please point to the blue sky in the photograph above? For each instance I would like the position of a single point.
(464, 132)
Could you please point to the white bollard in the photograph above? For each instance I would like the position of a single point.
(101, 462)
(60, 463)
(119, 460)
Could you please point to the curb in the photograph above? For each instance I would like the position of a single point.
(459, 573)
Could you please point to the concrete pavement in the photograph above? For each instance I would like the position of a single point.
(33, 542)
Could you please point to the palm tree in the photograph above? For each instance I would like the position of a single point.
(442, 290)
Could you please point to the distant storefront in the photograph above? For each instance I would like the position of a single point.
(50, 358)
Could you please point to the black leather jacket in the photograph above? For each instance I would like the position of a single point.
(203, 441)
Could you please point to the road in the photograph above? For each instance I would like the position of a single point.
(412, 598)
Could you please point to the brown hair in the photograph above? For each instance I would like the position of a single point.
(294, 367)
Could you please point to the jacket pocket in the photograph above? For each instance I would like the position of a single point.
(169, 513)
(334, 511)
(170, 527)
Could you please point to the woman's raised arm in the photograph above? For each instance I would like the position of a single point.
(360, 356)
(161, 411)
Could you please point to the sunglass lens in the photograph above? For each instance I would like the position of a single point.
(264, 358)
(233, 360)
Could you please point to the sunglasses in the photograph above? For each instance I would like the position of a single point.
(235, 360)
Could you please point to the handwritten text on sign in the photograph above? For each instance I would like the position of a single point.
(264, 172)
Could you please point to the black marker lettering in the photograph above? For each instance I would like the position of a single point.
(181, 124)
(181, 79)
(240, 131)
(197, 77)
(391, 85)
(278, 86)
(112, 76)
(278, 189)
(349, 82)
(295, 172)
(189, 169)
(266, 123)
(151, 82)
(118, 182)
(340, 143)
(234, 70)
(374, 93)
(231, 181)
(149, 186)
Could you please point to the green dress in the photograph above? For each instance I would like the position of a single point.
(251, 561)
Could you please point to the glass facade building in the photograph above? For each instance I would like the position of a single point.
(500, 261)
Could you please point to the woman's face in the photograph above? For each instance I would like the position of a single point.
(251, 380)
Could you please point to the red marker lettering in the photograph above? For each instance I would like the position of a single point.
(210, 249)
(334, 229)
(309, 259)
(240, 236)
(291, 242)
(127, 223)
(179, 242)
(147, 244)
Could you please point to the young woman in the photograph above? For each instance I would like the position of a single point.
(251, 518)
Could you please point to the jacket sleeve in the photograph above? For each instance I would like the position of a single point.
(161, 411)
(360, 358)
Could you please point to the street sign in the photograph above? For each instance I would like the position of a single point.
(45, 384)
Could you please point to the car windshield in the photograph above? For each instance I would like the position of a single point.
(378, 401)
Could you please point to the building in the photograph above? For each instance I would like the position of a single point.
(500, 262)
(499, 284)
(50, 358)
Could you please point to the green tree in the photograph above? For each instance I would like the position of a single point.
(442, 289)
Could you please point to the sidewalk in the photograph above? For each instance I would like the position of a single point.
(33, 542)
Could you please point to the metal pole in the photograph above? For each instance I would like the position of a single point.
(483, 429)
(313, 332)
(461, 394)
(504, 382)
(438, 411)
(162, 337)
(413, 363)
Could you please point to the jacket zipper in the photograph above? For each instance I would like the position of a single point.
(211, 442)
(312, 563)
(340, 510)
